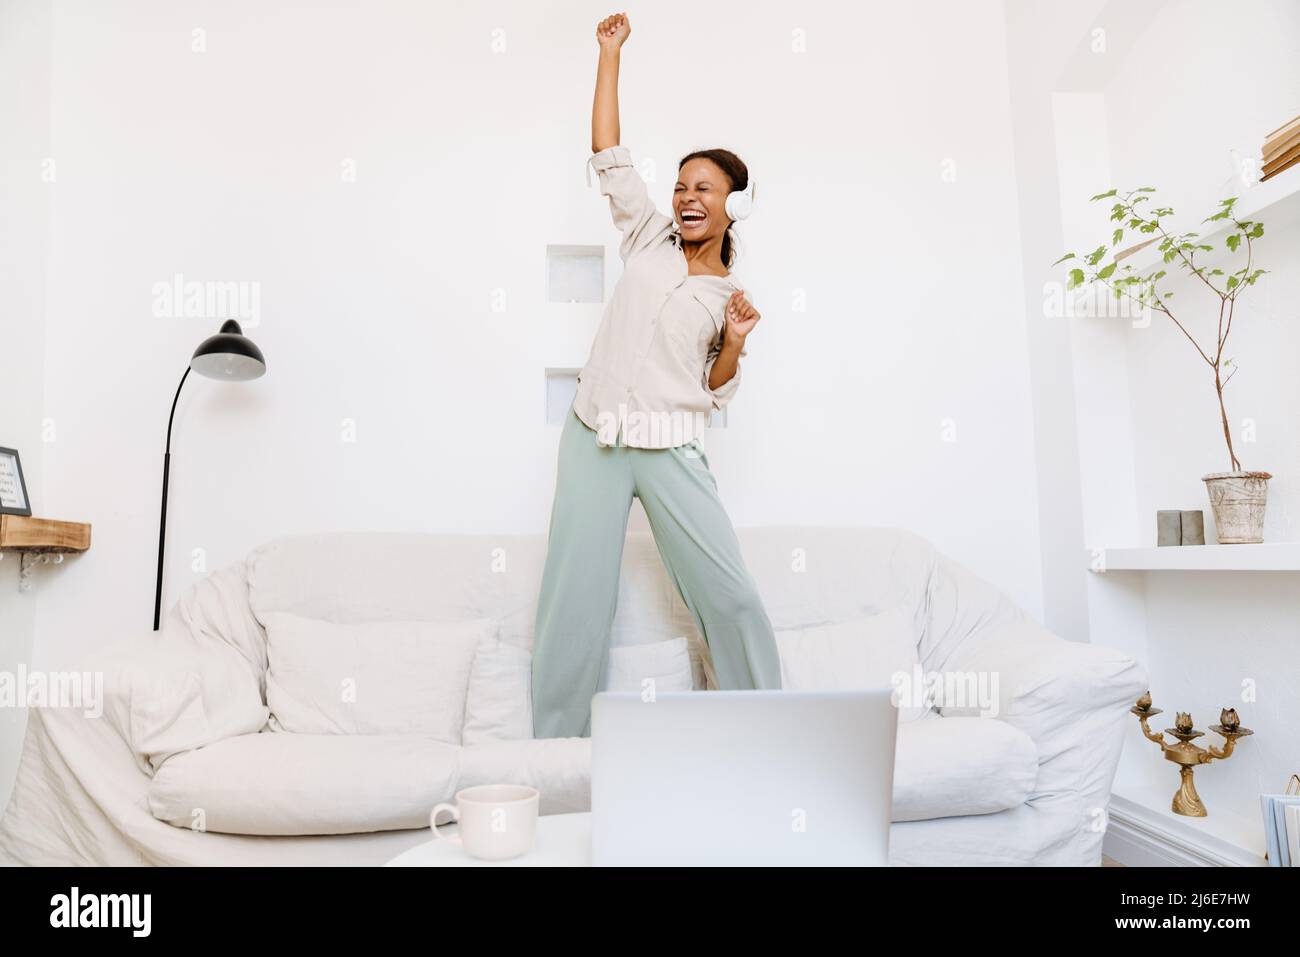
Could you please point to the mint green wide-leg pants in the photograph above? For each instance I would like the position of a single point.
(594, 488)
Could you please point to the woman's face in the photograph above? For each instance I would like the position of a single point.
(699, 199)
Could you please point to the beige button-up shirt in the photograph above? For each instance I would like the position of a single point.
(647, 376)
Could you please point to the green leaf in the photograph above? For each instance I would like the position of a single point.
(1103, 195)
(1233, 242)
(1227, 202)
(1096, 255)
(1106, 271)
(1064, 258)
(1257, 231)
(1232, 282)
(1221, 214)
(1116, 237)
(1076, 278)
(1145, 189)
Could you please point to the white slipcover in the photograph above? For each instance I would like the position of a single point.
(181, 737)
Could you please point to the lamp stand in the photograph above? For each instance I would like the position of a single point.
(162, 521)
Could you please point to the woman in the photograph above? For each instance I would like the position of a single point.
(666, 355)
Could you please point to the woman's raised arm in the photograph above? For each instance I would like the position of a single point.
(610, 34)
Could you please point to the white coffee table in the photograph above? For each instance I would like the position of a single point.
(563, 840)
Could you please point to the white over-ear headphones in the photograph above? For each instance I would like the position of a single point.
(740, 203)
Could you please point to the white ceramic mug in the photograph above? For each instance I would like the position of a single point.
(497, 821)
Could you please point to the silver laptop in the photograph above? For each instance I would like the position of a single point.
(742, 778)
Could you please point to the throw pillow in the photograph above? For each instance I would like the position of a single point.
(666, 663)
(859, 653)
(383, 677)
(500, 702)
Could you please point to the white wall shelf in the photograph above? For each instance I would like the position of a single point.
(1266, 557)
(575, 274)
(1278, 198)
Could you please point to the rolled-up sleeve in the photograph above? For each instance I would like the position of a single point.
(725, 392)
(635, 216)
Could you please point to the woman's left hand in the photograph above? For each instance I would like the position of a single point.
(741, 317)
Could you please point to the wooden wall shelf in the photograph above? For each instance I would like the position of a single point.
(40, 541)
(20, 534)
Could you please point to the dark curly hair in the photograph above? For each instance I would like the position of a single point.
(737, 173)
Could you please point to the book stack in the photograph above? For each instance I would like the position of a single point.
(1282, 825)
(1281, 149)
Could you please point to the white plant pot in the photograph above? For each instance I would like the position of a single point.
(1238, 500)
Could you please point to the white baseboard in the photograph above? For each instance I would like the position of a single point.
(1136, 836)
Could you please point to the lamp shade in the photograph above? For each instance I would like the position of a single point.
(229, 355)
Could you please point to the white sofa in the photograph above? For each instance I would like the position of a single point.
(183, 768)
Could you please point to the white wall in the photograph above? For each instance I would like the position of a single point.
(376, 295)
(24, 217)
(1039, 38)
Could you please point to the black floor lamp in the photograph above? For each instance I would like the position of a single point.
(229, 355)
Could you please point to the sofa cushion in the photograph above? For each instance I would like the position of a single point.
(386, 677)
(499, 704)
(287, 784)
(305, 783)
(863, 652)
(952, 767)
(409, 576)
(337, 784)
(666, 663)
(805, 575)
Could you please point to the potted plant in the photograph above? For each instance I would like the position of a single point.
(1237, 496)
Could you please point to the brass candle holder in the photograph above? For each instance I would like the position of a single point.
(1187, 755)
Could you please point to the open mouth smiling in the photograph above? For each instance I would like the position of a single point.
(693, 218)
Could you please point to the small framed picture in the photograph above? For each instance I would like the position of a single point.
(13, 488)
